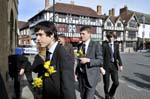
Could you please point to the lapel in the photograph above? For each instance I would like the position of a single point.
(89, 48)
(115, 49)
(55, 56)
(109, 49)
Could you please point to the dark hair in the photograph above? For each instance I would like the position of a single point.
(61, 35)
(87, 28)
(110, 34)
(48, 27)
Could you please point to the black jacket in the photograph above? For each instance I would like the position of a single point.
(16, 62)
(107, 55)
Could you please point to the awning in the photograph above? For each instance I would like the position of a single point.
(74, 39)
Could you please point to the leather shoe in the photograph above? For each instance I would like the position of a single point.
(111, 98)
(107, 97)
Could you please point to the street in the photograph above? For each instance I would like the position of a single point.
(134, 80)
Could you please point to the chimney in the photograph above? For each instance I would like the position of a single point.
(110, 12)
(113, 12)
(72, 2)
(99, 9)
(124, 10)
(46, 4)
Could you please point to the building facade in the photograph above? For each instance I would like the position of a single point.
(69, 18)
(24, 37)
(8, 28)
(131, 26)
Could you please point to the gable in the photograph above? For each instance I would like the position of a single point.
(108, 23)
(133, 22)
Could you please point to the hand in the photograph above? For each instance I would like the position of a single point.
(76, 77)
(102, 70)
(21, 71)
(84, 60)
(120, 68)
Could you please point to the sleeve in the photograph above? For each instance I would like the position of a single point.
(23, 61)
(25, 64)
(67, 75)
(28, 72)
(98, 60)
(118, 55)
(71, 50)
(37, 65)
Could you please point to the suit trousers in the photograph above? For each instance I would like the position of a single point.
(17, 86)
(113, 72)
(86, 91)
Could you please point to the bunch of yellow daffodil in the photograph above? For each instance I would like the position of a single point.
(50, 69)
(79, 53)
(37, 82)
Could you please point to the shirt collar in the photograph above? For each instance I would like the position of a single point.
(53, 47)
(111, 43)
(87, 42)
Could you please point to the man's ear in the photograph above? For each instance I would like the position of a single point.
(52, 36)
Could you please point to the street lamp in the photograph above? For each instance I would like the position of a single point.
(143, 33)
(53, 11)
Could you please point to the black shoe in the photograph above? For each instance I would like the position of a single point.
(107, 97)
(111, 98)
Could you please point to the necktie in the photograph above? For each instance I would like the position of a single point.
(48, 55)
(83, 48)
(112, 52)
(82, 67)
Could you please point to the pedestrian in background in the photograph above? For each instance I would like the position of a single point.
(38, 61)
(111, 63)
(37, 67)
(67, 45)
(18, 65)
(88, 65)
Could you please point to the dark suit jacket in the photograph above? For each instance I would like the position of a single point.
(16, 62)
(94, 52)
(37, 65)
(60, 85)
(107, 55)
(69, 48)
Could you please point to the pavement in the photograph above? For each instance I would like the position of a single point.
(134, 80)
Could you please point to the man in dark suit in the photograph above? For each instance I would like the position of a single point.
(60, 84)
(88, 65)
(112, 62)
(18, 65)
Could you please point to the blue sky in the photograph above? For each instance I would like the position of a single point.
(28, 8)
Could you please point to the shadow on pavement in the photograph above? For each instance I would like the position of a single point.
(143, 77)
(147, 55)
(98, 95)
(137, 83)
(143, 65)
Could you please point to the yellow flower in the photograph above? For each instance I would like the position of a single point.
(46, 74)
(47, 64)
(51, 70)
(79, 53)
(37, 82)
